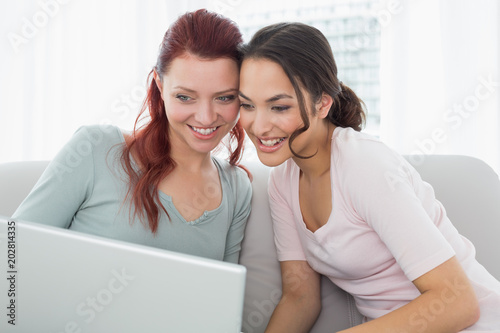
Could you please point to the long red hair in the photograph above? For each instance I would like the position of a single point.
(206, 35)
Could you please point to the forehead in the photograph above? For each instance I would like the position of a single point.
(264, 77)
(201, 74)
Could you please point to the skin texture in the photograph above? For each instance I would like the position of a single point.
(269, 111)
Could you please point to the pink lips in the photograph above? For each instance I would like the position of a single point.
(204, 136)
(269, 149)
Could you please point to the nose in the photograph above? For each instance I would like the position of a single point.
(262, 123)
(206, 115)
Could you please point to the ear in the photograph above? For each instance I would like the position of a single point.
(158, 82)
(324, 105)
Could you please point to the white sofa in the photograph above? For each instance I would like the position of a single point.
(468, 188)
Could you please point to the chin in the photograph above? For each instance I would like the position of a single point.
(203, 149)
(270, 159)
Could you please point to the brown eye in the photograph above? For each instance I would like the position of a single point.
(246, 106)
(280, 108)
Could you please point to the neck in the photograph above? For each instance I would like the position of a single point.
(192, 163)
(319, 164)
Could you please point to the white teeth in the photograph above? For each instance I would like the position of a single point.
(204, 131)
(270, 143)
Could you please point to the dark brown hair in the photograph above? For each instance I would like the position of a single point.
(307, 59)
(203, 34)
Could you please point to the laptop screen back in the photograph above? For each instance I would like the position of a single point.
(57, 280)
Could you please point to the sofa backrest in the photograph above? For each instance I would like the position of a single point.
(16, 181)
(469, 189)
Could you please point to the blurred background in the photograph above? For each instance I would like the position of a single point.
(428, 70)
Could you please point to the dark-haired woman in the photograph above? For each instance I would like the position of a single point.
(336, 208)
(159, 185)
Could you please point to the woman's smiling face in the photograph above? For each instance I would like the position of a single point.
(201, 101)
(270, 112)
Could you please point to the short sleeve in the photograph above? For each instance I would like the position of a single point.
(64, 186)
(391, 198)
(286, 236)
(242, 191)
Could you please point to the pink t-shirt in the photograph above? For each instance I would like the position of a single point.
(385, 230)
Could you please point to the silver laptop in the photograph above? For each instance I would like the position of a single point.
(60, 281)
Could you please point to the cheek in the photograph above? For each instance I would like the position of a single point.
(230, 112)
(288, 123)
(245, 120)
(176, 113)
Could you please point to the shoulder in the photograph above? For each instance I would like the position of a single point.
(96, 134)
(362, 162)
(91, 136)
(348, 143)
(282, 179)
(355, 152)
(99, 142)
(98, 137)
(236, 183)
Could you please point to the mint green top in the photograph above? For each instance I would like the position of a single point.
(84, 189)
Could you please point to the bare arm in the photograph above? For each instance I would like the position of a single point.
(300, 304)
(447, 304)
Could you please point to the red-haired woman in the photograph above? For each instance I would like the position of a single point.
(159, 185)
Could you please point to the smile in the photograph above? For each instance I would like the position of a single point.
(270, 145)
(272, 142)
(204, 131)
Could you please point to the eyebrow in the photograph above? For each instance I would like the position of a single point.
(271, 99)
(217, 93)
